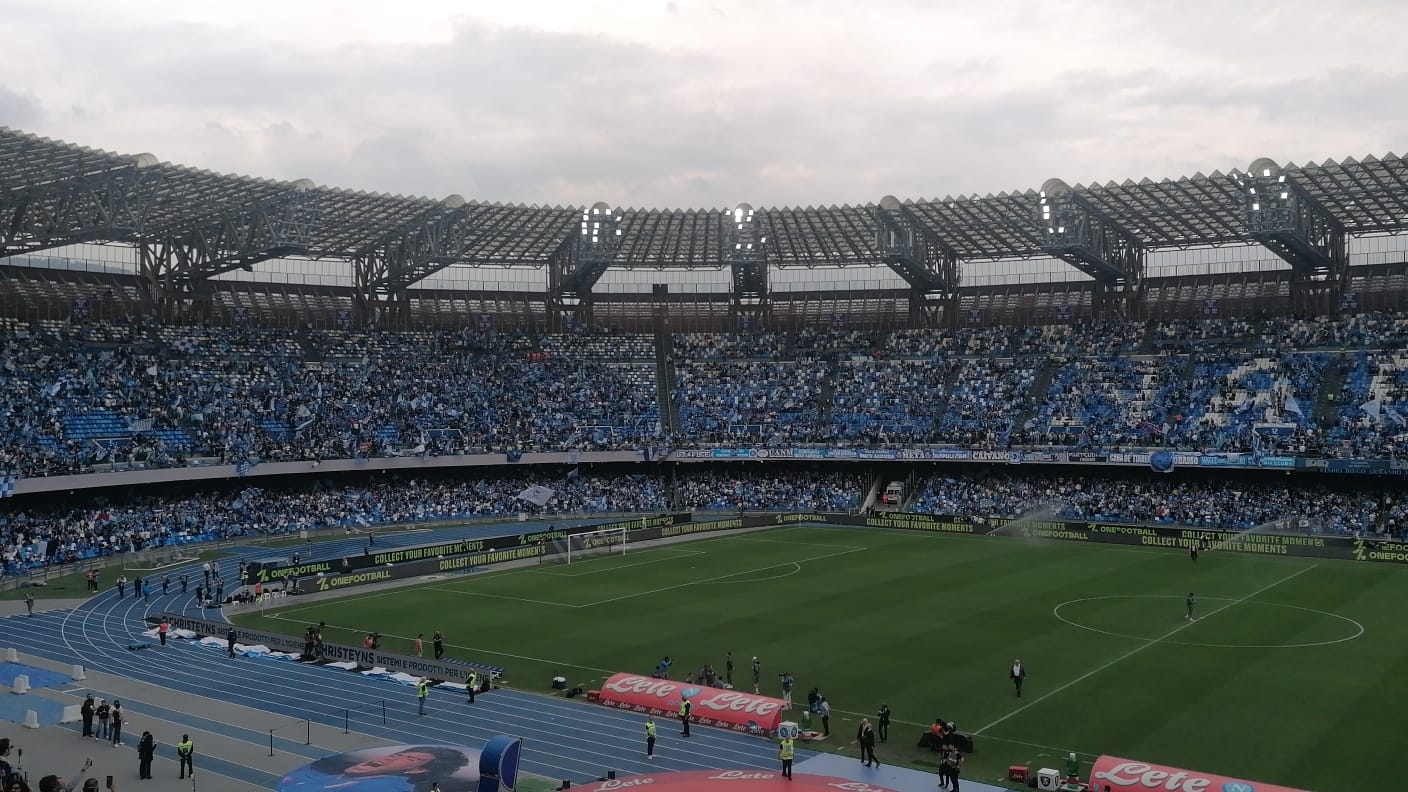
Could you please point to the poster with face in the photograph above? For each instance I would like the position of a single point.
(392, 768)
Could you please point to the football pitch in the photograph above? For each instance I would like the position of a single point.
(1295, 671)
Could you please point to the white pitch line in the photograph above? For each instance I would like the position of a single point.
(679, 554)
(471, 593)
(1136, 650)
(718, 578)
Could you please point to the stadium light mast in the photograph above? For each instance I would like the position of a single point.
(579, 262)
(1076, 232)
(1292, 224)
(745, 249)
(929, 265)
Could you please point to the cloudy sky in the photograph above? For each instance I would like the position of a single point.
(678, 103)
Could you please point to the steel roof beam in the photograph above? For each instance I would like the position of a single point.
(1080, 235)
(107, 207)
(1285, 218)
(911, 248)
(282, 226)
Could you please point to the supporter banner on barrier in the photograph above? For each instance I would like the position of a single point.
(729, 709)
(399, 555)
(337, 653)
(1125, 775)
(1336, 547)
(521, 547)
(1158, 459)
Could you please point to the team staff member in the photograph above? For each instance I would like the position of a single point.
(787, 751)
(865, 735)
(883, 725)
(649, 737)
(1018, 674)
(439, 643)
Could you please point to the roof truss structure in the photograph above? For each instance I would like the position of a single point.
(54, 194)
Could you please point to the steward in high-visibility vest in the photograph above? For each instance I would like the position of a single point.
(186, 750)
(472, 685)
(423, 692)
(787, 751)
(649, 737)
(685, 707)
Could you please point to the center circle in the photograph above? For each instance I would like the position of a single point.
(1354, 628)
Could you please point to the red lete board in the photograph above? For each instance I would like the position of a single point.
(730, 781)
(1127, 775)
(728, 709)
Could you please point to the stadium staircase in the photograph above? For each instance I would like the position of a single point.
(826, 391)
(1036, 395)
(665, 381)
(1327, 405)
(311, 353)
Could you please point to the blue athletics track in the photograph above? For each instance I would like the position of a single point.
(563, 739)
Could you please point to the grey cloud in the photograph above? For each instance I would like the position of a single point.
(517, 114)
(19, 109)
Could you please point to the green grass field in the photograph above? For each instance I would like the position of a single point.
(1295, 672)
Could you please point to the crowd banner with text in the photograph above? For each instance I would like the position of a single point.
(335, 653)
(728, 709)
(265, 573)
(1294, 544)
(1125, 775)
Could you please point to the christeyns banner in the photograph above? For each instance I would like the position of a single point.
(1126, 775)
(728, 709)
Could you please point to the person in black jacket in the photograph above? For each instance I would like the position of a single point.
(1018, 674)
(86, 712)
(146, 752)
(883, 724)
(865, 735)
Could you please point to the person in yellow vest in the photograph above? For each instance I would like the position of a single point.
(472, 685)
(649, 737)
(685, 708)
(787, 751)
(423, 692)
(186, 751)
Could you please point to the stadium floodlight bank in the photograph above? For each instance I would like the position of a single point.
(593, 544)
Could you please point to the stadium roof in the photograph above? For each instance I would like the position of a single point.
(54, 193)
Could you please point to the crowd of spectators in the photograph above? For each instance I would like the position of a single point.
(98, 395)
(60, 531)
(757, 490)
(1239, 505)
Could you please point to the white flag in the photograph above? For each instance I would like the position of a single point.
(538, 495)
(1374, 409)
(1292, 406)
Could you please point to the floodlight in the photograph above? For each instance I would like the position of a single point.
(1285, 195)
(1061, 230)
(1256, 207)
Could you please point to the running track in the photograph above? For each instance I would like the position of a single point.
(562, 739)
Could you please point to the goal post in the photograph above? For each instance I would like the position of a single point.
(591, 544)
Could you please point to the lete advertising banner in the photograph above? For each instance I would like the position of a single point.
(1125, 775)
(728, 709)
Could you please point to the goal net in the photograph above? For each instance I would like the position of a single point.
(593, 544)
